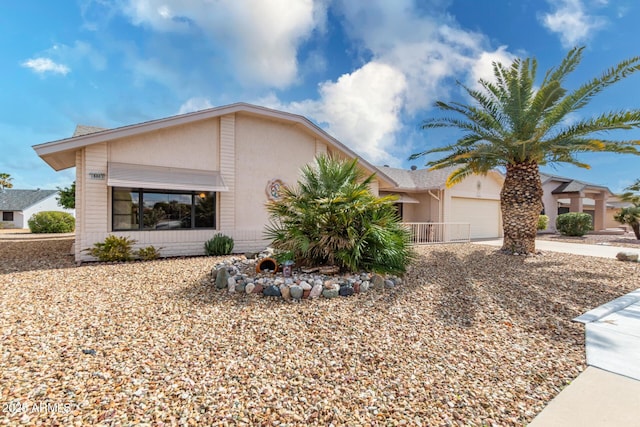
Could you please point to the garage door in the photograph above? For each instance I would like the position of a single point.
(482, 214)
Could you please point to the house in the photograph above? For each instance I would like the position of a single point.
(563, 195)
(177, 181)
(474, 202)
(17, 206)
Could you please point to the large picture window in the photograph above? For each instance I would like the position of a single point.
(140, 209)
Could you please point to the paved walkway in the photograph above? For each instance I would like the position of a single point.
(602, 251)
(598, 397)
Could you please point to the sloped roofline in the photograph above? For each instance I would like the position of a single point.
(548, 177)
(52, 152)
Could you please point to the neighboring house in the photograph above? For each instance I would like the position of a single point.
(17, 206)
(425, 198)
(563, 195)
(176, 182)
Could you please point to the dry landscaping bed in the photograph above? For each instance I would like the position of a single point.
(471, 337)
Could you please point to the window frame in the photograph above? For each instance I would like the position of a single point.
(141, 191)
(4, 219)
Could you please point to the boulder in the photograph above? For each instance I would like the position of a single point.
(377, 281)
(627, 256)
(345, 291)
(316, 291)
(272, 291)
(296, 292)
(330, 293)
(222, 278)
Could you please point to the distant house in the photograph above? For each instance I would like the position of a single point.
(176, 182)
(563, 195)
(17, 206)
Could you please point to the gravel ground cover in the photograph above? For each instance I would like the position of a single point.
(472, 337)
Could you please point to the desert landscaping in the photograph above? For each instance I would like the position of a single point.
(471, 337)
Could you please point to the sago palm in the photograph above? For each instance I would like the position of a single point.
(514, 124)
(331, 217)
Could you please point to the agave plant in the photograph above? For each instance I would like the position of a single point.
(331, 217)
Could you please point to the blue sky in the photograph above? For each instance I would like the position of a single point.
(367, 72)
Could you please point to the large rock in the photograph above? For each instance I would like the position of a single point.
(222, 278)
(271, 291)
(316, 291)
(231, 284)
(296, 292)
(377, 281)
(249, 288)
(627, 256)
(346, 291)
(329, 293)
(364, 286)
(285, 291)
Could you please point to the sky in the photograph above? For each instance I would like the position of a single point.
(367, 72)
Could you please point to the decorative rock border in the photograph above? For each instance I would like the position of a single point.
(243, 275)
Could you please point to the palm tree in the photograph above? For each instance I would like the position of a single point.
(515, 125)
(5, 181)
(332, 218)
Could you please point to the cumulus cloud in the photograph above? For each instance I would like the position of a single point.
(194, 104)
(571, 22)
(46, 65)
(260, 38)
(482, 67)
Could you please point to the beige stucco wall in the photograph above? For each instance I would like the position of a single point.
(266, 150)
(192, 146)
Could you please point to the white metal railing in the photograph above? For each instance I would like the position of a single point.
(423, 233)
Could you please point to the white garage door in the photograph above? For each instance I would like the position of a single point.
(482, 214)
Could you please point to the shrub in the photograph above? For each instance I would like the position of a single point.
(574, 223)
(218, 245)
(148, 254)
(52, 222)
(543, 222)
(332, 218)
(113, 248)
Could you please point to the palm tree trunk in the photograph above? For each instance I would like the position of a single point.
(636, 229)
(521, 204)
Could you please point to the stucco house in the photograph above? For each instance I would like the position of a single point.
(17, 206)
(177, 181)
(563, 195)
(471, 206)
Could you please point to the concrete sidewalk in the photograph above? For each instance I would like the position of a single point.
(602, 251)
(596, 398)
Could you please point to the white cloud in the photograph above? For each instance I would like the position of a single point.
(44, 65)
(260, 38)
(482, 67)
(571, 22)
(194, 104)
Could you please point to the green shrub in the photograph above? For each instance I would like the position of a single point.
(113, 248)
(218, 245)
(52, 222)
(574, 223)
(332, 218)
(148, 254)
(543, 222)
